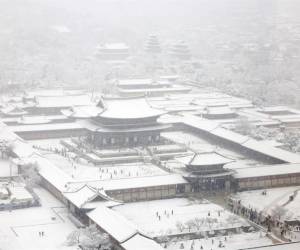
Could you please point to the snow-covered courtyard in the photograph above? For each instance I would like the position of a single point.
(179, 216)
(21, 229)
(84, 171)
(273, 198)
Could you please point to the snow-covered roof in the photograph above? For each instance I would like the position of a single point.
(20, 193)
(199, 123)
(141, 242)
(268, 170)
(139, 182)
(229, 135)
(141, 81)
(86, 194)
(158, 89)
(6, 134)
(113, 223)
(81, 195)
(204, 159)
(113, 46)
(275, 108)
(13, 110)
(82, 111)
(50, 172)
(169, 77)
(44, 92)
(250, 144)
(139, 129)
(128, 108)
(52, 92)
(219, 110)
(22, 149)
(46, 127)
(273, 152)
(63, 101)
(34, 120)
(219, 99)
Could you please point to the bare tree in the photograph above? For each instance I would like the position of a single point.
(180, 226)
(198, 223)
(89, 238)
(190, 224)
(30, 173)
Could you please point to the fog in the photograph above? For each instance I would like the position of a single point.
(49, 42)
(149, 124)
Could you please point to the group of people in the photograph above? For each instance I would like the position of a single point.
(166, 213)
(41, 233)
(220, 244)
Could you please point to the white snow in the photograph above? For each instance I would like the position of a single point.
(20, 228)
(63, 101)
(88, 172)
(46, 127)
(113, 223)
(269, 170)
(134, 108)
(205, 159)
(274, 197)
(232, 242)
(142, 243)
(146, 215)
(114, 46)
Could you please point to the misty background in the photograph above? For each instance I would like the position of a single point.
(247, 48)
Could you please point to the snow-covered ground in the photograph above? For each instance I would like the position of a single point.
(274, 197)
(232, 242)
(80, 171)
(47, 144)
(19, 229)
(162, 217)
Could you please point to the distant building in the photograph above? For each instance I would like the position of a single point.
(180, 51)
(53, 105)
(13, 111)
(219, 112)
(153, 45)
(149, 87)
(113, 52)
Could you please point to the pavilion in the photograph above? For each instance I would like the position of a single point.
(125, 122)
(205, 171)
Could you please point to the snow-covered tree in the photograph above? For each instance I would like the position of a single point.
(89, 238)
(31, 175)
(291, 141)
(180, 226)
(198, 222)
(232, 219)
(244, 126)
(278, 212)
